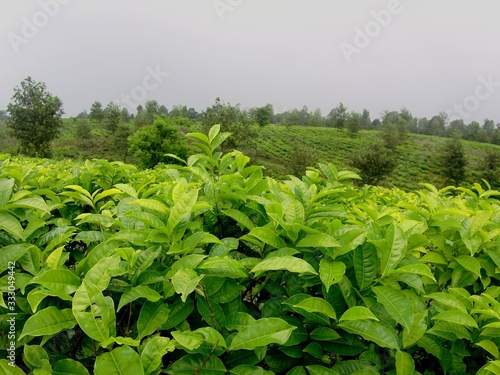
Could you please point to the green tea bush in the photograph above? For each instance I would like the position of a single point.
(210, 268)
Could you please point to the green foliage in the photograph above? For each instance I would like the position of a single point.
(374, 163)
(337, 117)
(299, 158)
(83, 129)
(120, 138)
(112, 115)
(147, 115)
(209, 267)
(183, 111)
(152, 144)
(353, 124)
(491, 168)
(231, 119)
(263, 115)
(391, 136)
(96, 112)
(454, 160)
(34, 117)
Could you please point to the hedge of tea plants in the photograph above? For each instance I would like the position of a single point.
(211, 268)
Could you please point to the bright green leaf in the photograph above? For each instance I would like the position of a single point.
(151, 317)
(287, 263)
(318, 240)
(372, 331)
(405, 365)
(396, 303)
(457, 317)
(262, 332)
(69, 367)
(185, 282)
(358, 313)
(140, 291)
(393, 249)
(317, 305)
(120, 361)
(331, 272)
(48, 322)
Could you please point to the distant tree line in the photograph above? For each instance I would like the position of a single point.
(339, 117)
(152, 133)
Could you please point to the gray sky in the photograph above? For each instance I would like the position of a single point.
(427, 55)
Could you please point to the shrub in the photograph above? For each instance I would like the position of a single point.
(83, 129)
(374, 163)
(151, 144)
(454, 160)
(299, 157)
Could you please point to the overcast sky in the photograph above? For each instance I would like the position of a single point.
(427, 55)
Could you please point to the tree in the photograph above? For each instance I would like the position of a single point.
(34, 117)
(437, 125)
(120, 140)
(152, 109)
(390, 135)
(316, 119)
(178, 110)
(83, 129)
(231, 119)
(454, 160)
(457, 126)
(366, 122)
(376, 124)
(112, 117)
(389, 117)
(162, 110)
(125, 114)
(337, 117)
(304, 116)
(96, 111)
(83, 115)
(146, 115)
(472, 131)
(263, 115)
(3, 115)
(353, 124)
(299, 158)
(291, 117)
(151, 143)
(374, 163)
(192, 114)
(491, 168)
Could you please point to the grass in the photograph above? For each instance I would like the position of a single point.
(418, 158)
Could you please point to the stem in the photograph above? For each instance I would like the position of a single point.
(127, 330)
(197, 371)
(212, 315)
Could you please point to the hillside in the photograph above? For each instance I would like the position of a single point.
(273, 147)
(419, 157)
